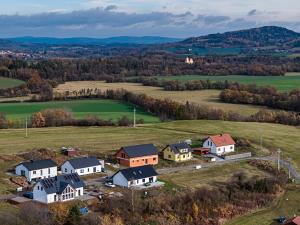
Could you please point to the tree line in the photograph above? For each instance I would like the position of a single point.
(264, 96)
(136, 65)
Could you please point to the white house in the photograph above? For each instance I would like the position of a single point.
(58, 189)
(135, 176)
(82, 166)
(35, 170)
(220, 144)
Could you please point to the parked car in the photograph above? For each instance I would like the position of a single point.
(147, 184)
(84, 210)
(198, 167)
(109, 184)
(28, 195)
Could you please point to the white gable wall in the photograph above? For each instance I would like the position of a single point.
(120, 180)
(40, 195)
(67, 168)
(36, 174)
(220, 150)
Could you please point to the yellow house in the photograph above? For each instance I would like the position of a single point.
(177, 152)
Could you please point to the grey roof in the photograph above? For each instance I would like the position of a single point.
(59, 183)
(84, 162)
(140, 150)
(140, 172)
(39, 164)
(176, 148)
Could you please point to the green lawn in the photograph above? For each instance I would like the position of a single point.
(282, 83)
(106, 109)
(288, 205)
(8, 82)
(107, 139)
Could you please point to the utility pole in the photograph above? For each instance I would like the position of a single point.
(278, 160)
(261, 139)
(26, 127)
(134, 122)
(289, 166)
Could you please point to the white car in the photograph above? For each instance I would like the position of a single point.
(198, 167)
(111, 185)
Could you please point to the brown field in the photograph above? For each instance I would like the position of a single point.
(210, 177)
(205, 97)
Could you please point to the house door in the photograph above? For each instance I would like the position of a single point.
(79, 192)
(151, 179)
(23, 173)
(94, 169)
(146, 161)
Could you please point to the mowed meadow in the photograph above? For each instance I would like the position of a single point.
(9, 83)
(283, 83)
(105, 109)
(208, 98)
(108, 139)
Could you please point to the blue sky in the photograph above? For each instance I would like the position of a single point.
(173, 18)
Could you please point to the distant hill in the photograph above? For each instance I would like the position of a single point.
(256, 37)
(95, 41)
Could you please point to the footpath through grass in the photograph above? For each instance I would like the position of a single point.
(282, 83)
(8, 82)
(106, 109)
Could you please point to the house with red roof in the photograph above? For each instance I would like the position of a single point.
(293, 221)
(219, 144)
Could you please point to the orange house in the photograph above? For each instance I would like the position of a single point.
(137, 155)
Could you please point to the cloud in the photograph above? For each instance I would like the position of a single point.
(111, 8)
(112, 21)
(252, 12)
(212, 19)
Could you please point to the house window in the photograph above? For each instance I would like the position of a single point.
(34, 172)
(123, 155)
(55, 198)
(231, 147)
(49, 171)
(169, 156)
(41, 172)
(154, 159)
(66, 170)
(183, 156)
(143, 180)
(81, 170)
(38, 187)
(41, 188)
(88, 169)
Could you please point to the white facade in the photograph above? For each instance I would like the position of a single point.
(21, 170)
(67, 168)
(70, 193)
(120, 180)
(218, 150)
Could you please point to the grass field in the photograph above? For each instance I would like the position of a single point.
(8, 82)
(105, 109)
(211, 176)
(288, 205)
(108, 139)
(206, 97)
(282, 83)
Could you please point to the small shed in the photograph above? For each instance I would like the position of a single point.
(201, 151)
(71, 152)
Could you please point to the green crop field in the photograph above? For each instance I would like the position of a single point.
(8, 82)
(106, 109)
(282, 83)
